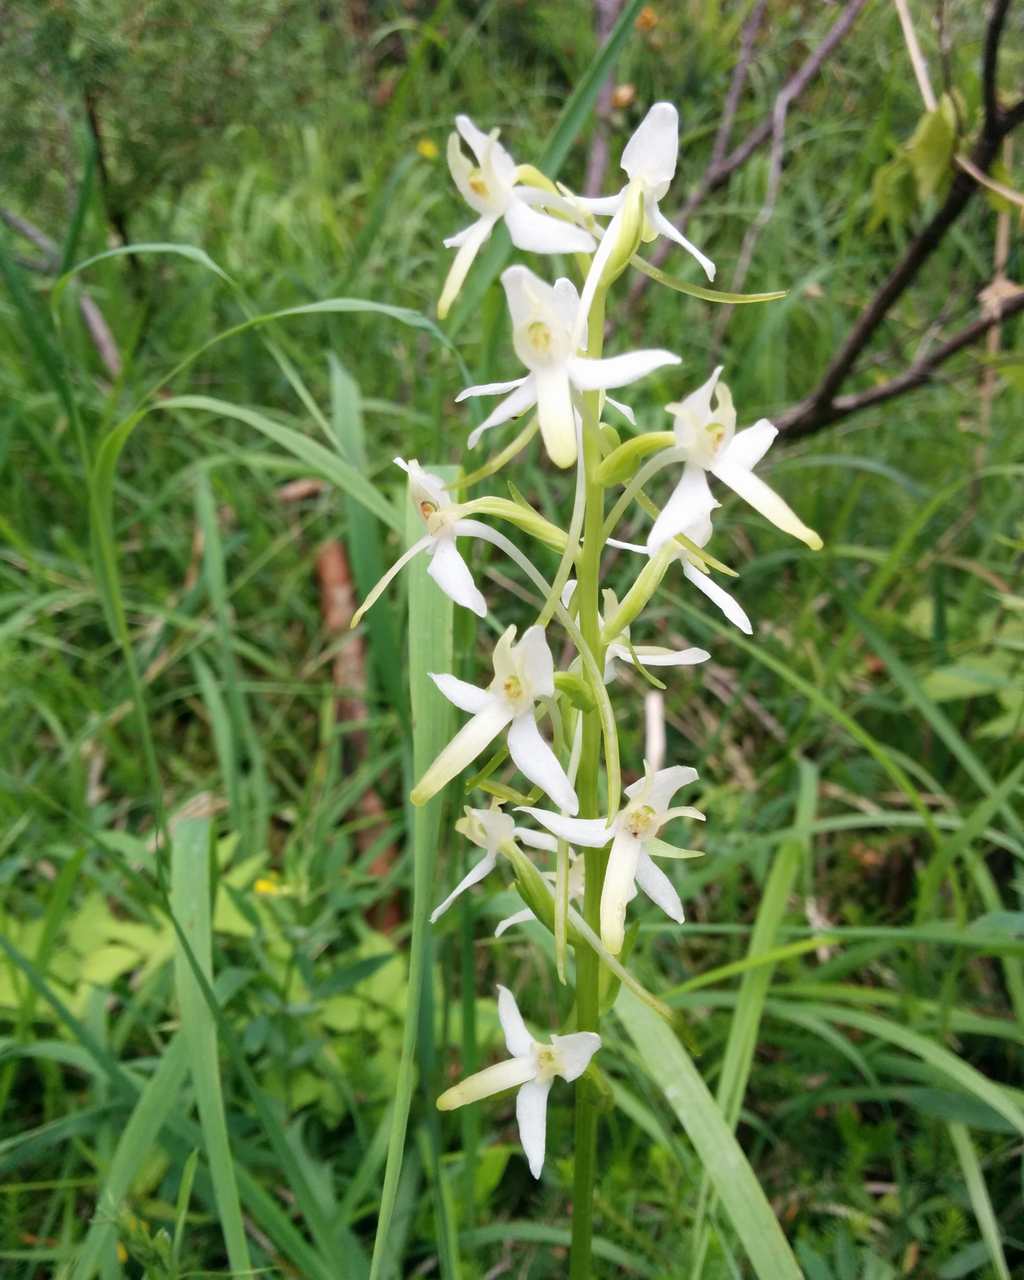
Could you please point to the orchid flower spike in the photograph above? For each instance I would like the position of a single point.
(621, 649)
(577, 876)
(447, 567)
(523, 673)
(635, 844)
(543, 319)
(492, 189)
(698, 532)
(489, 829)
(532, 1068)
(649, 161)
(713, 445)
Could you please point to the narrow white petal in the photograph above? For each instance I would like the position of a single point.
(517, 917)
(748, 447)
(473, 738)
(518, 1039)
(718, 596)
(536, 839)
(557, 421)
(380, 587)
(609, 243)
(532, 1114)
(619, 889)
(538, 664)
(489, 389)
(539, 233)
(655, 656)
(624, 409)
(657, 789)
(460, 237)
(627, 546)
(524, 396)
(591, 832)
(474, 876)
(603, 206)
(617, 371)
(486, 1083)
(753, 490)
(452, 575)
(467, 697)
(567, 301)
(659, 888)
(576, 1049)
(534, 758)
(652, 151)
(474, 237)
(690, 502)
(477, 140)
(665, 228)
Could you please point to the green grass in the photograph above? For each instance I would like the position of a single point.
(168, 678)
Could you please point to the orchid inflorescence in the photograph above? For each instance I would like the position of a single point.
(603, 850)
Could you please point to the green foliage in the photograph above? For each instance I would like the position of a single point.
(851, 1038)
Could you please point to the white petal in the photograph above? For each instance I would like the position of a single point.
(609, 243)
(467, 697)
(766, 501)
(477, 140)
(655, 656)
(539, 233)
(380, 587)
(591, 832)
(452, 575)
(691, 501)
(517, 917)
(538, 664)
(531, 1114)
(576, 1050)
(486, 1083)
(728, 605)
(473, 738)
(665, 228)
(659, 888)
(567, 591)
(624, 409)
(657, 789)
(474, 876)
(469, 247)
(603, 206)
(489, 389)
(567, 301)
(748, 447)
(512, 406)
(536, 839)
(652, 151)
(518, 1039)
(534, 758)
(619, 889)
(557, 421)
(697, 405)
(627, 546)
(617, 371)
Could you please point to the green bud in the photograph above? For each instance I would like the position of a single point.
(647, 582)
(629, 235)
(609, 438)
(622, 462)
(576, 689)
(518, 513)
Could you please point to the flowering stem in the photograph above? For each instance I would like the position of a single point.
(587, 965)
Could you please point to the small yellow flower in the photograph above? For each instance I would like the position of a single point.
(268, 887)
(122, 1252)
(427, 148)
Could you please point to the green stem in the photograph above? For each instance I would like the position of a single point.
(587, 785)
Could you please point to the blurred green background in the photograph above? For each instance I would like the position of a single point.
(868, 741)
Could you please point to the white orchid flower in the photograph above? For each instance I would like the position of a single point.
(713, 445)
(491, 188)
(532, 1069)
(489, 829)
(447, 567)
(698, 532)
(523, 673)
(649, 161)
(621, 650)
(543, 321)
(634, 839)
(577, 876)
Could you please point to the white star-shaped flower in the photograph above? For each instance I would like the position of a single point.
(492, 189)
(634, 839)
(714, 446)
(543, 321)
(532, 1068)
(523, 673)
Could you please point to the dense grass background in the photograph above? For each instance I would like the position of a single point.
(859, 760)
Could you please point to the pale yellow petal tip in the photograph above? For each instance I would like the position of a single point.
(813, 540)
(443, 307)
(420, 795)
(448, 1100)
